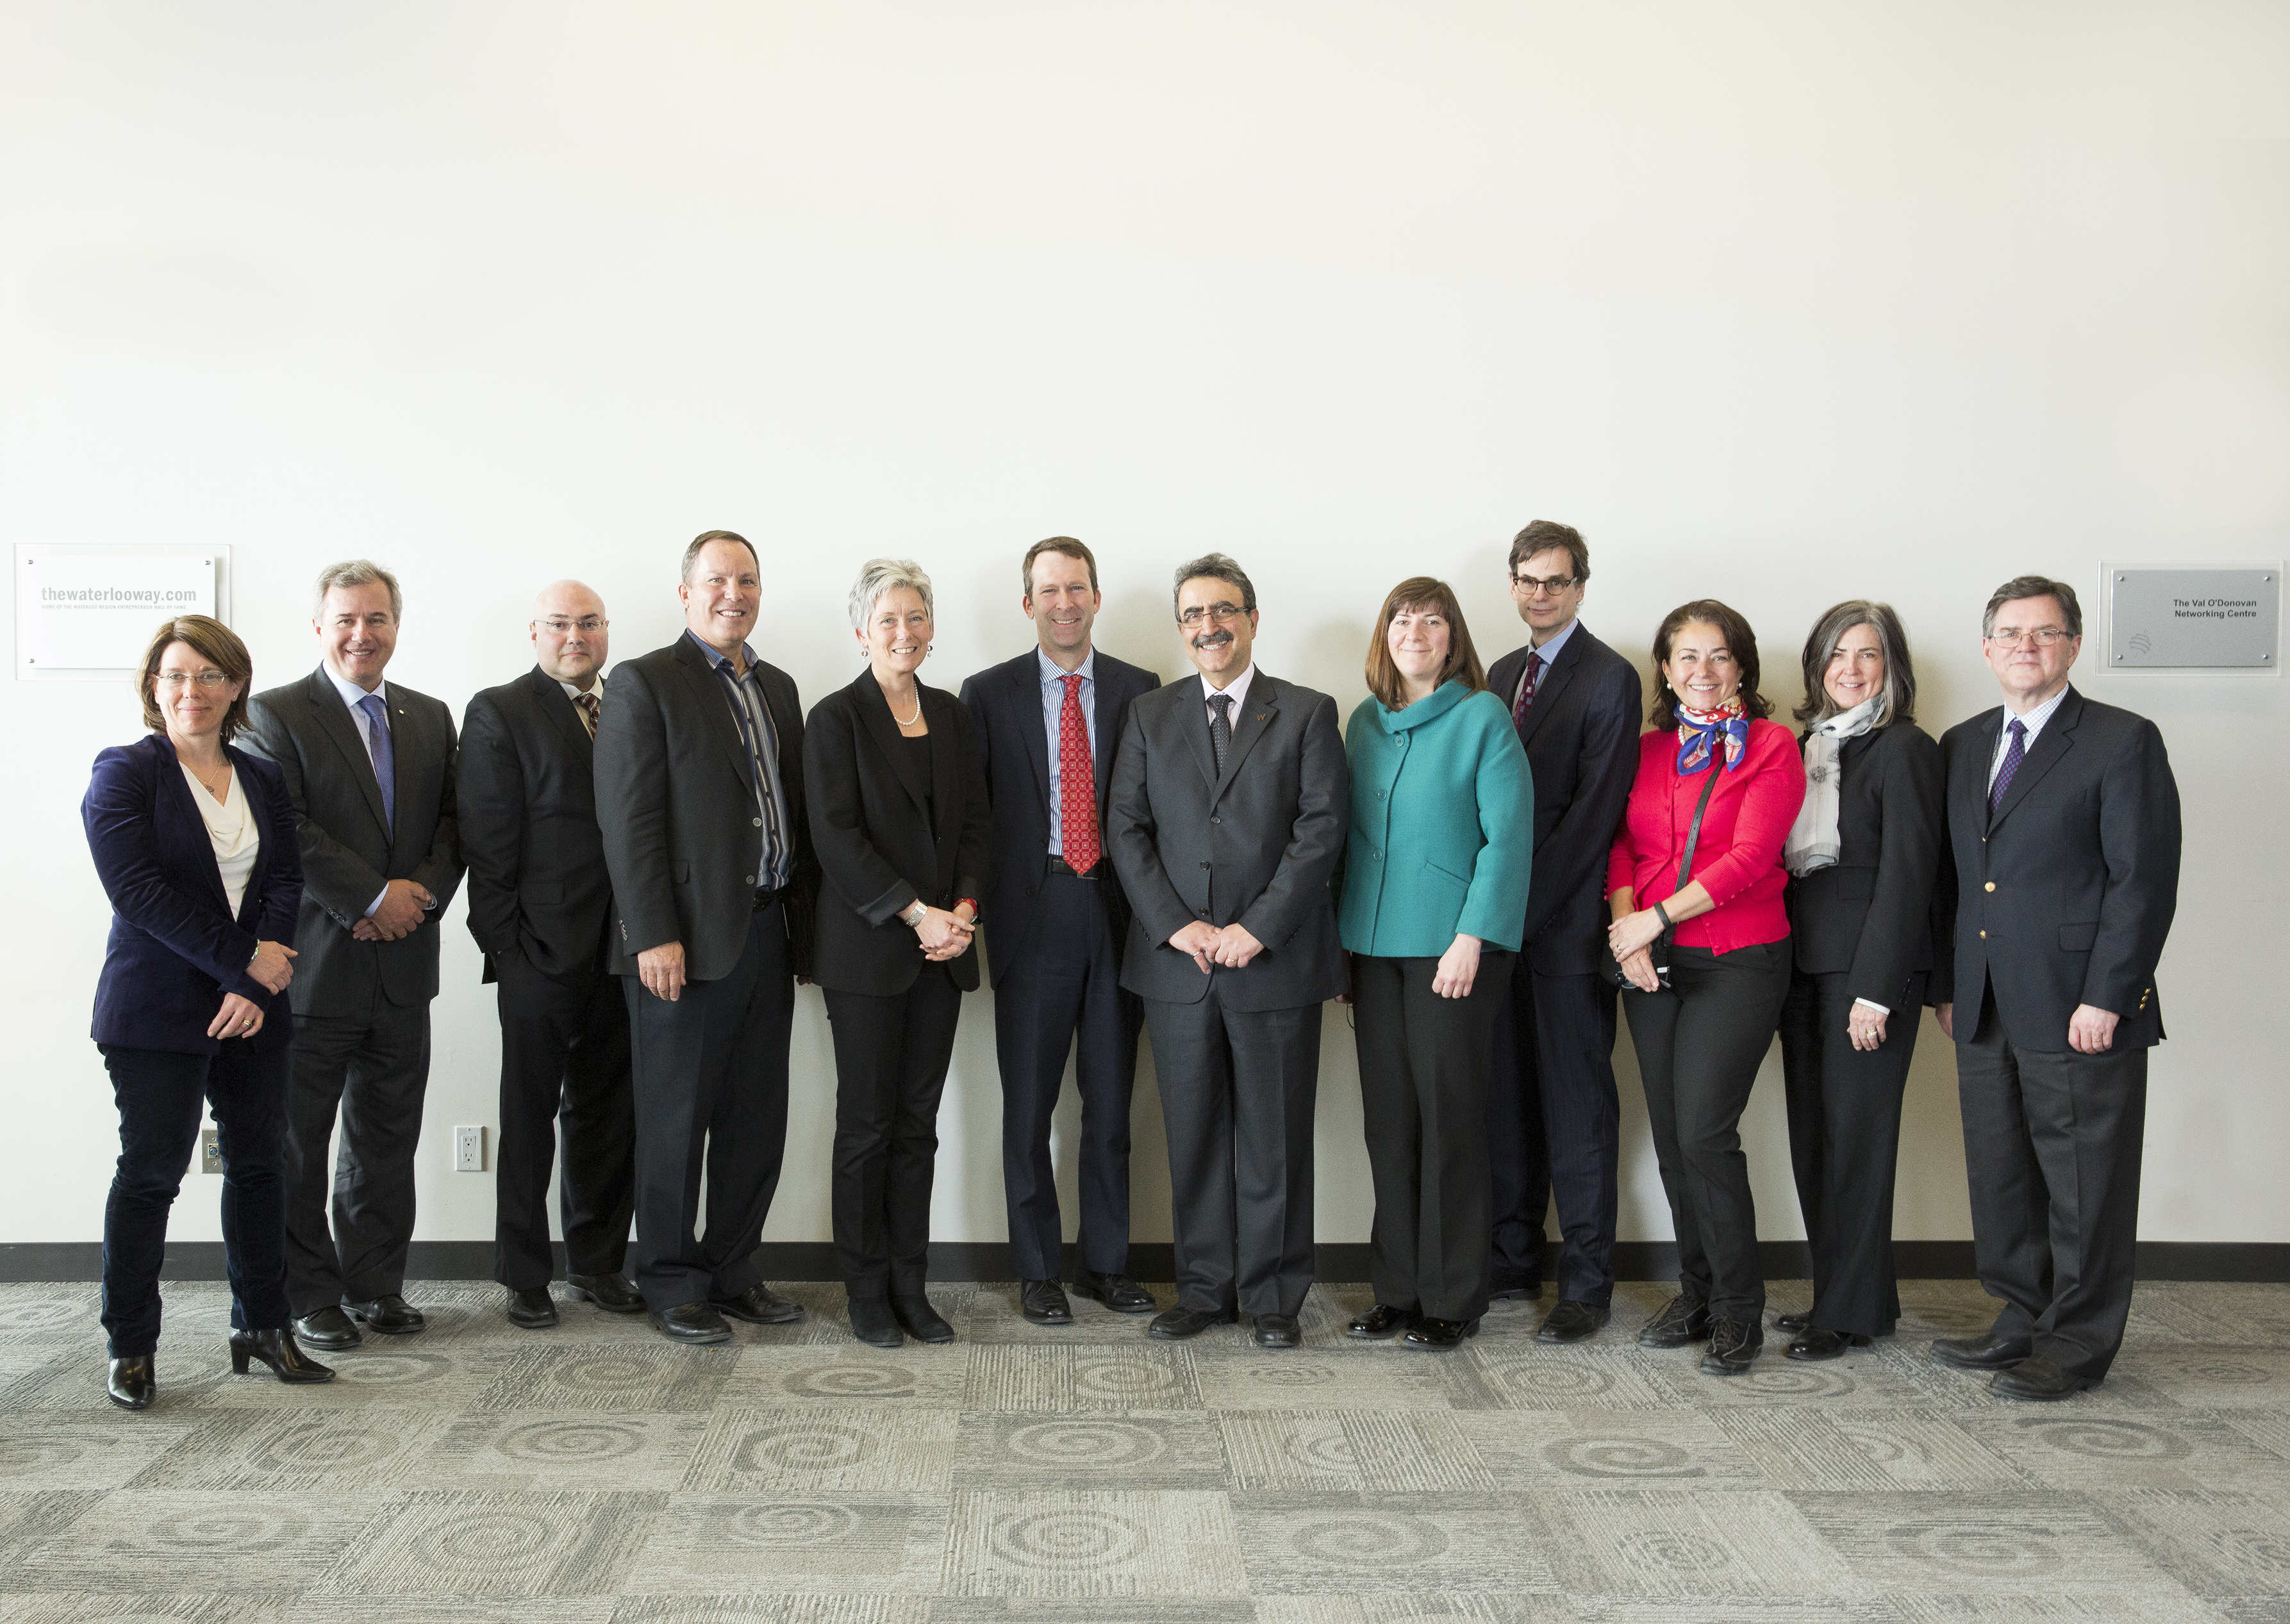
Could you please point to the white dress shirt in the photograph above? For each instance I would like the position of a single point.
(2033, 722)
(1237, 688)
(1054, 708)
(236, 838)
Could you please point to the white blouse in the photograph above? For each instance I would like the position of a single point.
(237, 841)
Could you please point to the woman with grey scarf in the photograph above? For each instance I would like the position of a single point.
(1863, 859)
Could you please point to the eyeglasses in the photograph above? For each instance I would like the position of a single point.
(2042, 636)
(1535, 585)
(1223, 614)
(558, 627)
(176, 679)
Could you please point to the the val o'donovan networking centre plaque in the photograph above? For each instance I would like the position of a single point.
(2183, 619)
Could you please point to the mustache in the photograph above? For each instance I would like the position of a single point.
(1212, 640)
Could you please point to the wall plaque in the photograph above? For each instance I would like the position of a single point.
(88, 610)
(2189, 619)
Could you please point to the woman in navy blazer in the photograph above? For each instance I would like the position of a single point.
(194, 843)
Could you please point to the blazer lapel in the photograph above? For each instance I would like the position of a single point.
(1110, 694)
(250, 902)
(334, 722)
(1026, 679)
(1554, 683)
(1247, 728)
(562, 715)
(708, 688)
(175, 791)
(946, 776)
(885, 731)
(2050, 745)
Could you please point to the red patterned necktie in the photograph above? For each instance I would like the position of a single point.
(1526, 689)
(588, 708)
(1076, 784)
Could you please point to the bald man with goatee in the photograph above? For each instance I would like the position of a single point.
(539, 906)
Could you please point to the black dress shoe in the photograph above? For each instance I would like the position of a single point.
(696, 1323)
(1117, 1292)
(1440, 1335)
(130, 1383)
(759, 1305)
(873, 1323)
(1817, 1344)
(534, 1309)
(1510, 1288)
(1793, 1323)
(614, 1294)
(329, 1330)
(1573, 1321)
(1981, 1353)
(2037, 1380)
(1379, 1321)
(1175, 1324)
(1044, 1302)
(277, 1349)
(920, 1320)
(1682, 1321)
(1277, 1331)
(1734, 1345)
(389, 1315)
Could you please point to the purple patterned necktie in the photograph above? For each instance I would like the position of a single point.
(1526, 690)
(385, 759)
(2013, 755)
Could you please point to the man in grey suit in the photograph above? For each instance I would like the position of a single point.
(700, 797)
(370, 767)
(1229, 807)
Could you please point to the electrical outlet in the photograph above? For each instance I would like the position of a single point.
(468, 1150)
(210, 1151)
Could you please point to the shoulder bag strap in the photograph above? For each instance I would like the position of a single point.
(1693, 829)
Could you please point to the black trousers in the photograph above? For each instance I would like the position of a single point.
(710, 1078)
(1423, 1065)
(159, 1093)
(891, 1056)
(2052, 1143)
(1554, 1128)
(565, 1056)
(1238, 1092)
(1699, 1042)
(372, 1071)
(1063, 993)
(1844, 1146)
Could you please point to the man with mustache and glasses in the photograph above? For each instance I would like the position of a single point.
(1055, 923)
(1230, 804)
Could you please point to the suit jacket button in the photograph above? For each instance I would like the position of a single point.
(1201, 915)
(1216, 820)
(1991, 886)
(1983, 936)
(750, 880)
(758, 823)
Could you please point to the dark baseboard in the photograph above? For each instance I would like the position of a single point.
(2255, 1261)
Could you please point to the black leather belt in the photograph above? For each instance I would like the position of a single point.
(765, 899)
(1058, 865)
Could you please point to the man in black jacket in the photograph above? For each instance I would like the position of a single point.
(1230, 801)
(2063, 821)
(700, 797)
(1553, 1118)
(540, 901)
(370, 766)
(1047, 724)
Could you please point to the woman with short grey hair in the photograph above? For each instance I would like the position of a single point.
(1862, 859)
(897, 801)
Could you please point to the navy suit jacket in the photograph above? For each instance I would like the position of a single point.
(176, 947)
(2065, 895)
(1005, 702)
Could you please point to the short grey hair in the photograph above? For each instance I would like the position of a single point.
(2034, 585)
(877, 576)
(356, 572)
(1215, 566)
(1899, 673)
(699, 544)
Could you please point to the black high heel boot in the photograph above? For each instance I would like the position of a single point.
(278, 1350)
(130, 1383)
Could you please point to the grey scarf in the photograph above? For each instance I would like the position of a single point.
(1813, 840)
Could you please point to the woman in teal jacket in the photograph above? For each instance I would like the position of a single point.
(1434, 900)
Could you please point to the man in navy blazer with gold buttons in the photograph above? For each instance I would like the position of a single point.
(2063, 821)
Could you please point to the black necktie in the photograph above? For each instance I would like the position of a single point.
(1221, 728)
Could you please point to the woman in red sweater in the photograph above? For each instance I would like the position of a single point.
(1708, 957)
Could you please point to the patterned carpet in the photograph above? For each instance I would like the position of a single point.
(596, 1473)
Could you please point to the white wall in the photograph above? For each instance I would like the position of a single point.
(1781, 304)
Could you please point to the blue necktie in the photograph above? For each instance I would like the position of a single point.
(385, 763)
(2013, 755)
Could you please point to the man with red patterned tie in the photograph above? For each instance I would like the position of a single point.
(1054, 922)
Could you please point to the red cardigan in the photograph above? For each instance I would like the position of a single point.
(1738, 858)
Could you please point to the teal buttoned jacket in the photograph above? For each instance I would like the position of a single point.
(1442, 838)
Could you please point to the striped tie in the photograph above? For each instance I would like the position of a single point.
(589, 710)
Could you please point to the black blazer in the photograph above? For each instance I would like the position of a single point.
(1871, 915)
(527, 801)
(675, 809)
(350, 850)
(879, 850)
(1582, 741)
(176, 947)
(1005, 703)
(1255, 843)
(2065, 896)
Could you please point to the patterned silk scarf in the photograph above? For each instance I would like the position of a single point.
(1699, 731)
(1813, 840)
